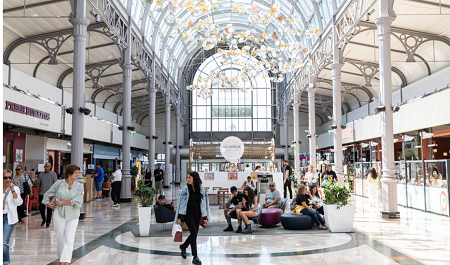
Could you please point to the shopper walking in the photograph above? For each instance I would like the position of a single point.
(45, 181)
(193, 204)
(69, 197)
(287, 181)
(18, 181)
(11, 200)
(99, 178)
(116, 186)
(373, 187)
(158, 173)
(148, 177)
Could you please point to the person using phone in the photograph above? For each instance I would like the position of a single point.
(11, 200)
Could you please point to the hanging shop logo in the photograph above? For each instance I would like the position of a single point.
(443, 199)
(27, 110)
(232, 148)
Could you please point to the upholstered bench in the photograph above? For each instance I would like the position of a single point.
(296, 221)
(270, 216)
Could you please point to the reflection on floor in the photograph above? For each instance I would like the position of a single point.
(104, 238)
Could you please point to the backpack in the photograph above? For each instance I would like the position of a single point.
(293, 204)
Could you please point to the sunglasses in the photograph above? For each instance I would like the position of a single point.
(271, 185)
(18, 169)
(7, 177)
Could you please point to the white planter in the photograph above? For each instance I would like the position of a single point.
(339, 220)
(145, 214)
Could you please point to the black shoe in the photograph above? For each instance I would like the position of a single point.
(183, 252)
(196, 261)
(247, 230)
(228, 229)
(239, 229)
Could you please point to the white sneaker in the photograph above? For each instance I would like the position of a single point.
(116, 205)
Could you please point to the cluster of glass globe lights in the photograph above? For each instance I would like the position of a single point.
(274, 56)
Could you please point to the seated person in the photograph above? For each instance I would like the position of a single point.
(273, 197)
(316, 199)
(257, 169)
(106, 182)
(248, 183)
(161, 201)
(306, 209)
(250, 209)
(236, 200)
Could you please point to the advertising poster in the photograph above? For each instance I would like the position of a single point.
(254, 175)
(209, 176)
(232, 176)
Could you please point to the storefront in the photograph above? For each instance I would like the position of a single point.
(106, 156)
(14, 149)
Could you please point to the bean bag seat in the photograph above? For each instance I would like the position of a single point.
(270, 216)
(296, 221)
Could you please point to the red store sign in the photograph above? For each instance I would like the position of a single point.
(27, 110)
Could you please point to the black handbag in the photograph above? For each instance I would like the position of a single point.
(26, 187)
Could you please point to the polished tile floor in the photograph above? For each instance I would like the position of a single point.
(104, 238)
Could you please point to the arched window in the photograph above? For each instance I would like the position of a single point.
(232, 109)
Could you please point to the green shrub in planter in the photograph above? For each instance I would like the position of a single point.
(134, 171)
(336, 194)
(144, 194)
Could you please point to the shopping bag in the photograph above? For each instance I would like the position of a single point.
(177, 233)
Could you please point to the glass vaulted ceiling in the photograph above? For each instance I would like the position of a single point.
(174, 53)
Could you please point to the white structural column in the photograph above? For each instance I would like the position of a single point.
(178, 143)
(285, 128)
(151, 120)
(296, 106)
(312, 120)
(337, 114)
(126, 134)
(80, 24)
(389, 183)
(168, 166)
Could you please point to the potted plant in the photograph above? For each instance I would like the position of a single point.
(145, 196)
(339, 213)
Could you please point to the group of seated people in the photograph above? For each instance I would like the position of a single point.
(246, 206)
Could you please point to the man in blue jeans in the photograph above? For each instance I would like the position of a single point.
(99, 178)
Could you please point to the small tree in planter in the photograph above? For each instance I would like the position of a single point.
(339, 213)
(145, 196)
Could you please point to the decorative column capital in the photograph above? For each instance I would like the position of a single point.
(384, 20)
(311, 89)
(296, 105)
(337, 66)
(168, 105)
(80, 22)
(127, 66)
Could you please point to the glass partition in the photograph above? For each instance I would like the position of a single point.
(436, 190)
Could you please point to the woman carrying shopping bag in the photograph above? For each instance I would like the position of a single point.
(66, 196)
(193, 204)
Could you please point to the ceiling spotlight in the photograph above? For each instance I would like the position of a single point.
(93, 13)
(117, 41)
(345, 40)
(69, 110)
(317, 136)
(329, 117)
(120, 128)
(308, 136)
(131, 128)
(343, 126)
(333, 127)
(147, 137)
(370, 12)
(396, 108)
(366, 17)
(155, 137)
(97, 18)
(133, 58)
(85, 110)
(380, 109)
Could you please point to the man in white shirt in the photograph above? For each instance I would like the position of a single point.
(248, 169)
(116, 186)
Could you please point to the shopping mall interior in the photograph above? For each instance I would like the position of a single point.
(226, 132)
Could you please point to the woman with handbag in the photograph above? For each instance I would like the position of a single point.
(193, 204)
(66, 196)
(11, 200)
(24, 183)
(304, 207)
